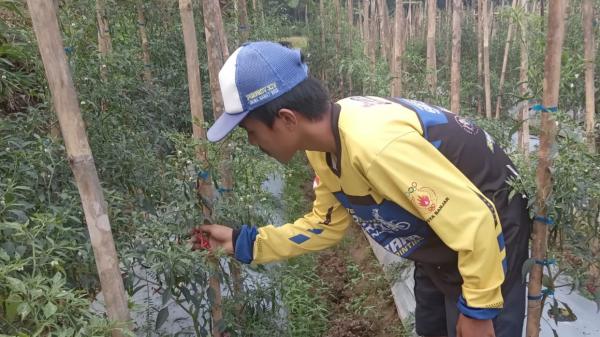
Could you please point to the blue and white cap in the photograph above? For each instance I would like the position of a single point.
(255, 74)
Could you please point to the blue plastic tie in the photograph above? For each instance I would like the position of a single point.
(545, 292)
(544, 219)
(203, 175)
(546, 262)
(542, 108)
(69, 50)
(223, 190)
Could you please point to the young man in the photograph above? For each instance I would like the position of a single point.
(424, 183)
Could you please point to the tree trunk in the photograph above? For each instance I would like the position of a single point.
(455, 67)
(523, 87)
(396, 87)
(45, 25)
(431, 57)
(554, 43)
(504, 62)
(144, 38)
(589, 56)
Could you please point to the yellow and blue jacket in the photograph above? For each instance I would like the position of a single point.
(424, 183)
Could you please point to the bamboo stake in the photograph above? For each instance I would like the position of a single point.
(505, 62)
(144, 38)
(456, 46)
(479, 54)
(383, 29)
(589, 57)
(243, 20)
(104, 39)
(551, 86)
(431, 57)
(486, 59)
(45, 25)
(523, 87)
(396, 85)
(366, 37)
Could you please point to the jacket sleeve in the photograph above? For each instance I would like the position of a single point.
(323, 227)
(411, 171)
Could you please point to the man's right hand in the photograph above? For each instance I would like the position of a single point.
(218, 236)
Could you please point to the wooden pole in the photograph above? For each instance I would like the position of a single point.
(431, 57)
(551, 85)
(523, 86)
(479, 54)
(589, 57)
(104, 39)
(64, 97)
(396, 85)
(244, 28)
(144, 38)
(365, 14)
(505, 62)
(193, 72)
(456, 46)
(486, 58)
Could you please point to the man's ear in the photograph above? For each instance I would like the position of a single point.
(288, 117)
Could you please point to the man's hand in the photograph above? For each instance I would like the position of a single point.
(218, 236)
(468, 327)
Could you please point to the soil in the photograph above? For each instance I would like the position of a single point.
(361, 300)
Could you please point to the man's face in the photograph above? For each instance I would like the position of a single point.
(278, 142)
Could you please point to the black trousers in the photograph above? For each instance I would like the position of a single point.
(437, 288)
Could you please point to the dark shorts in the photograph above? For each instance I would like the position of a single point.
(436, 292)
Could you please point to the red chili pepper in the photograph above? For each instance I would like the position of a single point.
(202, 240)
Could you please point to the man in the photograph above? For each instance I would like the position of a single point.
(424, 183)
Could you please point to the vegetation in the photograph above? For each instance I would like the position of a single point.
(140, 135)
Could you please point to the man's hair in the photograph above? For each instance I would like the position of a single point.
(309, 98)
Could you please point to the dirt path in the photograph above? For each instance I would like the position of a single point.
(359, 295)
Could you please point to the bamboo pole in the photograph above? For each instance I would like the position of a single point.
(431, 57)
(486, 59)
(396, 85)
(523, 86)
(144, 38)
(589, 57)
(456, 46)
(104, 39)
(479, 54)
(366, 37)
(383, 29)
(244, 28)
(205, 188)
(551, 86)
(505, 62)
(45, 25)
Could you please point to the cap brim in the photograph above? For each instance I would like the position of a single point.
(224, 125)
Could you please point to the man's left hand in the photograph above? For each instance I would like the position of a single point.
(468, 327)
